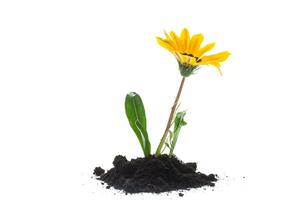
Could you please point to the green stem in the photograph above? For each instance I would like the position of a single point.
(173, 109)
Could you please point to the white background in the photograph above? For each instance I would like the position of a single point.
(66, 66)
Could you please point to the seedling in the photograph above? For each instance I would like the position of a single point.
(191, 56)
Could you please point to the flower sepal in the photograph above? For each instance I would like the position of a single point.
(186, 70)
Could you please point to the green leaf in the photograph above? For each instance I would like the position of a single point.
(178, 123)
(179, 120)
(146, 144)
(136, 116)
(167, 145)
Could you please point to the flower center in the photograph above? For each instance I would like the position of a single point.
(191, 55)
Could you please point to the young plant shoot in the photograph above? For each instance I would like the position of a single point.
(190, 55)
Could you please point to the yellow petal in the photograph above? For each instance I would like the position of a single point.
(215, 60)
(185, 38)
(195, 43)
(176, 40)
(205, 49)
(168, 38)
(165, 44)
(218, 57)
(167, 35)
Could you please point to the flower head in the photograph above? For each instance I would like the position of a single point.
(189, 53)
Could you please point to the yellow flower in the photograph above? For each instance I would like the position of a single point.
(189, 53)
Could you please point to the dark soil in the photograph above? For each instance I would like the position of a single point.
(153, 174)
(98, 171)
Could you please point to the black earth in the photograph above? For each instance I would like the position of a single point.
(153, 174)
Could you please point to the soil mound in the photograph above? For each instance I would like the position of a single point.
(154, 174)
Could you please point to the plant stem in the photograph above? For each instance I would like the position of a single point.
(173, 109)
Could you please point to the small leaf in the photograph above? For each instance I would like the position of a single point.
(178, 123)
(167, 145)
(179, 120)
